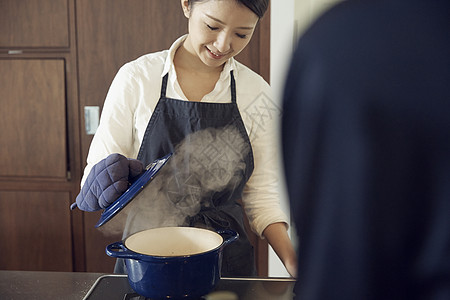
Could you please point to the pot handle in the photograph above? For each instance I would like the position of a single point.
(119, 250)
(232, 236)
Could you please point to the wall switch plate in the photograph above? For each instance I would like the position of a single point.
(91, 119)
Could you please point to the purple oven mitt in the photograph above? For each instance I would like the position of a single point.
(107, 181)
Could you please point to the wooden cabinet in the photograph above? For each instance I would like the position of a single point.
(56, 57)
(31, 23)
(39, 153)
(36, 231)
(34, 133)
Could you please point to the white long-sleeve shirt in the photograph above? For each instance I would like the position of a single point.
(134, 93)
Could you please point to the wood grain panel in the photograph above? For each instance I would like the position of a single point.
(33, 134)
(111, 33)
(31, 23)
(96, 242)
(36, 233)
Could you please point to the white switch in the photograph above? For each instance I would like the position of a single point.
(91, 118)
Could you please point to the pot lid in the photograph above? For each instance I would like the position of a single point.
(137, 186)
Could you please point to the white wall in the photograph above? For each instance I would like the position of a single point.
(281, 46)
(289, 19)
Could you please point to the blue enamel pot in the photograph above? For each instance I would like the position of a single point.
(173, 262)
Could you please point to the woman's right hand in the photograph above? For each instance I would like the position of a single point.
(107, 181)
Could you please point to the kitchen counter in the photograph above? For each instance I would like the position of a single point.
(76, 285)
(45, 285)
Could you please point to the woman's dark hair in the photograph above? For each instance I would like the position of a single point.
(259, 7)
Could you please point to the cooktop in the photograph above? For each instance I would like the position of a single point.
(116, 287)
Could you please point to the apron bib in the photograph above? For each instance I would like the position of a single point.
(210, 141)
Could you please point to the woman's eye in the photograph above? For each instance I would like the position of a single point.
(242, 36)
(212, 28)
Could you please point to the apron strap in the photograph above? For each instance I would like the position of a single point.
(164, 86)
(233, 88)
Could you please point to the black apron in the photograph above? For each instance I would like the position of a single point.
(173, 122)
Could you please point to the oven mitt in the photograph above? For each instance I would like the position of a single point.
(107, 181)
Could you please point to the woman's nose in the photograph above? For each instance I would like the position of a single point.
(223, 42)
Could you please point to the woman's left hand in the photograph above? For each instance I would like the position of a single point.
(291, 266)
(278, 238)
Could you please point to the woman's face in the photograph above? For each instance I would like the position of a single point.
(218, 30)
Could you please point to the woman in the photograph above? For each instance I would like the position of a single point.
(159, 101)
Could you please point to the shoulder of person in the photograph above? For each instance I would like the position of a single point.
(252, 89)
(146, 65)
(245, 75)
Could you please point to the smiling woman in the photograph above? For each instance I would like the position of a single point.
(218, 30)
(162, 102)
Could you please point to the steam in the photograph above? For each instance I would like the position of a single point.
(205, 162)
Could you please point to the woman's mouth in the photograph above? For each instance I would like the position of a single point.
(214, 55)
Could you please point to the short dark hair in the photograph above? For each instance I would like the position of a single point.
(259, 7)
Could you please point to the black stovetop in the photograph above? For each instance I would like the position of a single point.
(113, 287)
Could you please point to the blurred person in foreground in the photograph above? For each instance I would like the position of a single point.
(366, 142)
